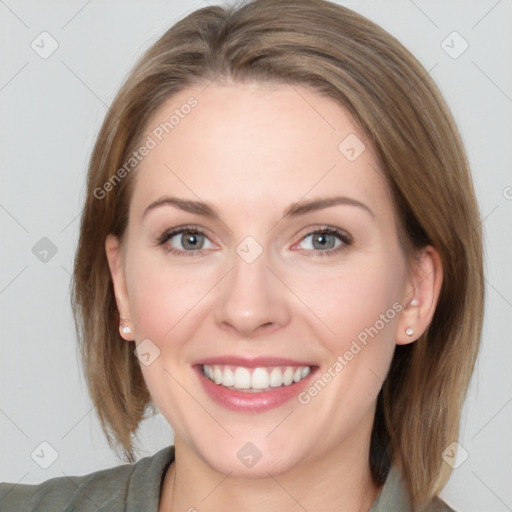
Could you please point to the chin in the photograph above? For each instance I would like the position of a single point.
(246, 455)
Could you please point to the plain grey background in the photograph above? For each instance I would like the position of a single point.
(51, 107)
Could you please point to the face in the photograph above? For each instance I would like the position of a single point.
(262, 249)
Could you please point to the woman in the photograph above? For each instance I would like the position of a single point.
(264, 256)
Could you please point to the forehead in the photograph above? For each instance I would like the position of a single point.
(256, 146)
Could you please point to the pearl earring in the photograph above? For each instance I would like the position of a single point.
(414, 302)
(409, 331)
(124, 327)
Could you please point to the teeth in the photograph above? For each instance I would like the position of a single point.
(228, 377)
(260, 379)
(288, 376)
(305, 372)
(217, 375)
(241, 378)
(276, 378)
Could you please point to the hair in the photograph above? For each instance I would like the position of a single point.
(343, 56)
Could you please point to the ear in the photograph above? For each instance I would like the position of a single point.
(115, 263)
(421, 295)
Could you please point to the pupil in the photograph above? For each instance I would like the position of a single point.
(191, 241)
(321, 239)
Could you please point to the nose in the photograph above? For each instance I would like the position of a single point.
(252, 300)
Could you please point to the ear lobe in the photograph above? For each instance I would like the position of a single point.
(420, 300)
(115, 263)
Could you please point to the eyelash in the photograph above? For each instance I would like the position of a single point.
(179, 252)
(345, 238)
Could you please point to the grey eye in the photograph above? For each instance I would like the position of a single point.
(187, 240)
(322, 241)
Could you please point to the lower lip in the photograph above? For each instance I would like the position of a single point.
(252, 401)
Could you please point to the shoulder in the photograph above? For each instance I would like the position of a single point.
(394, 496)
(438, 505)
(88, 492)
(105, 490)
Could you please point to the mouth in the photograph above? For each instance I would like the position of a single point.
(253, 385)
(254, 380)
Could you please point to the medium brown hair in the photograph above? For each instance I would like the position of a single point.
(344, 56)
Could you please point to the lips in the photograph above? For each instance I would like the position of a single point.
(253, 384)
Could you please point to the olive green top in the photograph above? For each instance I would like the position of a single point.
(136, 488)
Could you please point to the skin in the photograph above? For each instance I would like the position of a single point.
(251, 151)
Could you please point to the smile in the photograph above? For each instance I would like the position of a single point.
(254, 380)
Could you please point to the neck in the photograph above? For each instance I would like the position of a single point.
(337, 481)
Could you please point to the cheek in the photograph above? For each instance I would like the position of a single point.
(162, 296)
(362, 304)
(165, 303)
(361, 309)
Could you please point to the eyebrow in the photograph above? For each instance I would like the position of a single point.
(319, 204)
(294, 210)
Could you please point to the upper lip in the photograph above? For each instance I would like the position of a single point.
(251, 362)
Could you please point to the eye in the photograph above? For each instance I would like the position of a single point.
(184, 241)
(325, 241)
